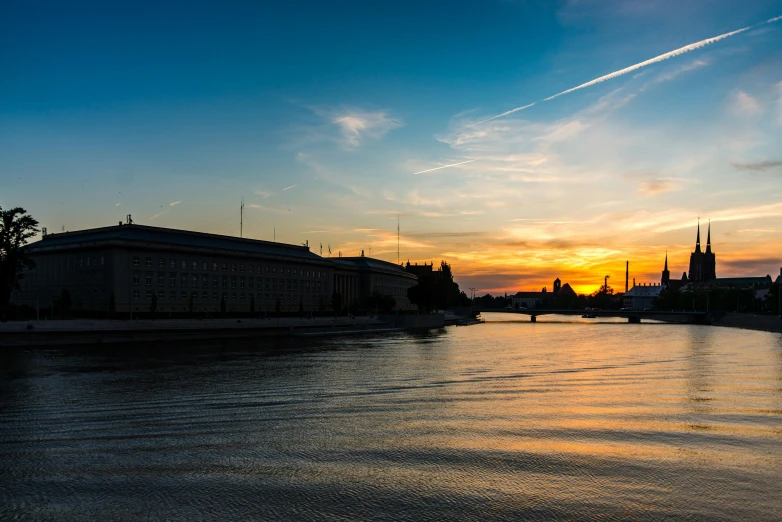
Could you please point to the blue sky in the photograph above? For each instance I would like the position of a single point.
(323, 115)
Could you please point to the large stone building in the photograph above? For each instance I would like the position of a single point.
(123, 266)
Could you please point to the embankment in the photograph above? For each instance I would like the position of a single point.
(73, 332)
(766, 323)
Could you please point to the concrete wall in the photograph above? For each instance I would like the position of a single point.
(415, 321)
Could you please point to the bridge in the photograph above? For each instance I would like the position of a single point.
(632, 316)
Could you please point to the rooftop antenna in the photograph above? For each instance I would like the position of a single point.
(241, 218)
(275, 234)
(397, 239)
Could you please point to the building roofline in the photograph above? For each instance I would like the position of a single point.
(164, 230)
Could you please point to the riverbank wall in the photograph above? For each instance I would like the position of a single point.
(74, 332)
(765, 323)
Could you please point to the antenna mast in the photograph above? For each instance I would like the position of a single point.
(397, 239)
(241, 219)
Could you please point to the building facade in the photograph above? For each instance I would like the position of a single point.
(642, 297)
(122, 267)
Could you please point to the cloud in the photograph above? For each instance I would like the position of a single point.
(444, 166)
(652, 187)
(744, 105)
(754, 266)
(356, 125)
(174, 203)
(672, 74)
(152, 218)
(621, 72)
(759, 166)
(277, 209)
(292, 186)
(117, 205)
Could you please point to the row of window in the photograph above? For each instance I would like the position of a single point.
(204, 296)
(250, 283)
(224, 267)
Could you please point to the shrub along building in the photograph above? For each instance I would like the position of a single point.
(122, 267)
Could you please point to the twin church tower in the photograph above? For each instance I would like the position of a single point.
(703, 265)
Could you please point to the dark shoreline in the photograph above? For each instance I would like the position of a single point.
(762, 323)
(74, 332)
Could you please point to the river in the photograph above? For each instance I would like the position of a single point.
(504, 420)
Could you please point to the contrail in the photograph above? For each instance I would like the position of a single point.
(445, 166)
(621, 72)
(286, 188)
(656, 59)
(517, 109)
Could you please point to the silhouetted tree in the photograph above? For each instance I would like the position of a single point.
(16, 227)
(381, 302)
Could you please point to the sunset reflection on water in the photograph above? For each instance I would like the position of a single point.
(555, 419)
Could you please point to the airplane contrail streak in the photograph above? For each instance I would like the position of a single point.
(517, 109)
(286, 188)
(656, 59)
(444, 166)
(626, 70)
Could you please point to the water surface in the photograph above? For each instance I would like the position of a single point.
(505, 420)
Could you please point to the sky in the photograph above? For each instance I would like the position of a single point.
(519, 141)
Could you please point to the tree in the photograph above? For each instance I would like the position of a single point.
(16, 227)
(381, 302)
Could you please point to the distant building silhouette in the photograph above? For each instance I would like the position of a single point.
(702, 264)
(666, 277)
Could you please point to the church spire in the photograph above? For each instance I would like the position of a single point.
(708, 239)
(698, 239)
(666, 275)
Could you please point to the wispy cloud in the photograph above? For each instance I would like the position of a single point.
(744, 105)
(174, 203)
(758, 166)
(357, 125)
(152, 218)
(621, 72)
(117, 205)
(653, 187)
(292, 186)
(444, 166)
